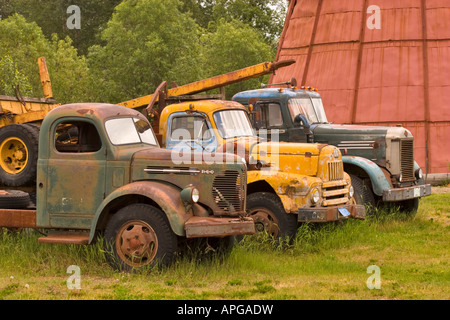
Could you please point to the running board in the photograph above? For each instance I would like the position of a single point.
(66, 238)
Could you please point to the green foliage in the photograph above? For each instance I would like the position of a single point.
(11, 77)
(231, 46)
(24, 43)
(146, 42)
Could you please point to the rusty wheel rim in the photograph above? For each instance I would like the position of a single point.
(264, 220)
(136, 243)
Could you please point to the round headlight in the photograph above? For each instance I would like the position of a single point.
(190, 194)
(351, 192)
(419, 174)
(315, 196)
(195, 195)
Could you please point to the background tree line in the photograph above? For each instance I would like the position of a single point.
(125, 49)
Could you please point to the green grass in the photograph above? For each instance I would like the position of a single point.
(324, 262)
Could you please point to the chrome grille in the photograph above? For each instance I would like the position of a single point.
(335, 170)
(228, 191)
(407, 159)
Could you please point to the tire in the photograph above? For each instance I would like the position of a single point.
(14, 199)
(18, 155)
(363, 193)
(269, 215)
(138, 236)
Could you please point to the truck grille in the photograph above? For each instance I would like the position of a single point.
(407, 159)
(335, 170)
(228, 191)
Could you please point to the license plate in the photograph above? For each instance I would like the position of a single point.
(416, 192)
(344, 212)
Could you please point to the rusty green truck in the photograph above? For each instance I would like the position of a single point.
(100, 170)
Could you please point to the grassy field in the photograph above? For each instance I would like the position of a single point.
(324, 262)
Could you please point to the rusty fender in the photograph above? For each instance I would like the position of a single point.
(166, 196)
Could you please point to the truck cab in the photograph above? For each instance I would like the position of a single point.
(101, 170)
(380, 160)
(287, 183)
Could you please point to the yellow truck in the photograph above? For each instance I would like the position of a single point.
(19, 134)
(287, 183)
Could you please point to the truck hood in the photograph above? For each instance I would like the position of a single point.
(278, 156)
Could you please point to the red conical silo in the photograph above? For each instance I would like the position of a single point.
(383, 62)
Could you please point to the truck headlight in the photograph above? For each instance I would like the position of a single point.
(315, 196)
(190, 194)
(351, 192)
(419, 174)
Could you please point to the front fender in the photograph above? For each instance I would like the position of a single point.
(292, 189)
(166, 196)
(376, 175)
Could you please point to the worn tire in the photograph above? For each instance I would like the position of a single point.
(144, 231)
(14, 199)
(363, 193)
(269, 215)
(18, 155)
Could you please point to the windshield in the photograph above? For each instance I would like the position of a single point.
(233, 123)
(129, 131)
(311, 108)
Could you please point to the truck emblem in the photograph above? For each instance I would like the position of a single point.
(208, 171)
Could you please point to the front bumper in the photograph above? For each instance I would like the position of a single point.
(327, 214)
(197, 227)
(400, 194)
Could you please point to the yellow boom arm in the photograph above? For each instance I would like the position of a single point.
(212, 83)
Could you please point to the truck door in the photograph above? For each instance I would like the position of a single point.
(268, 121)
(76, 173)
(190, 132)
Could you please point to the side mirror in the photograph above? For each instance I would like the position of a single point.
(300, 121)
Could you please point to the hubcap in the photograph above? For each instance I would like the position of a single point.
(136, 243)
(13, 155)
(264, 221)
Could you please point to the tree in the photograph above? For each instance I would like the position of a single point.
(266, 16)
(52, 16)
(231, 46)
(24, 42)
(146, 42)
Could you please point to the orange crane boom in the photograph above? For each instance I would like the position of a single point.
(210, 83)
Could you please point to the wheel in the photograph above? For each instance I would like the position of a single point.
(14, 199)
(18, 155)
(363, 193)
(139, 235)
(269, 215)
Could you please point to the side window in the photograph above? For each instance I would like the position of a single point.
(270, 116)
(190, 128)
(77, 137)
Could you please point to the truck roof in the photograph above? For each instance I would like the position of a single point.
(92, 110)
(205, 106)
(267, 93)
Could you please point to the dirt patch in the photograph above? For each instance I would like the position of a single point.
(445, 189)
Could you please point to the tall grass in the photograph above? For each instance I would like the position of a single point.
(323, 261)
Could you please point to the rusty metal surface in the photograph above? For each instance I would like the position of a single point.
(218, 227)
(407, 193)
(17, 218)
(66, 238)
(399, 74)
(331, 214)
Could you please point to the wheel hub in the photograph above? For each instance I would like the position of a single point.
(264, 221)
(137, 243)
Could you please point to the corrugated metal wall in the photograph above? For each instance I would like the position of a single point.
(398, 74)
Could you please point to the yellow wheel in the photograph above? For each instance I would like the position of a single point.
(18, 154)
(13, 155)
